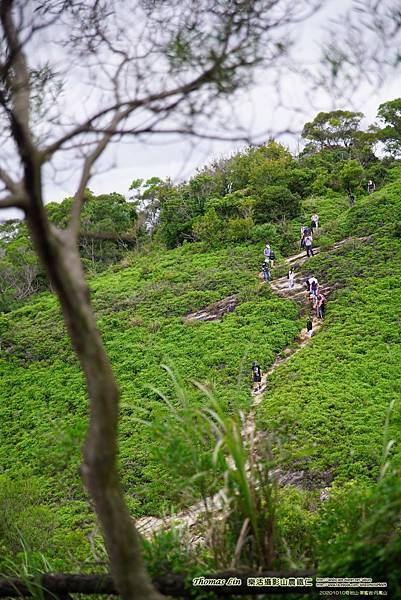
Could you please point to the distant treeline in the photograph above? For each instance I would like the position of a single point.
(248, 196)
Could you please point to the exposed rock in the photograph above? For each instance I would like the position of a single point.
(216, 311)
(304, 479)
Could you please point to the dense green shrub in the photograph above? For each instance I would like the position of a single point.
(276, 202)
(359, 533)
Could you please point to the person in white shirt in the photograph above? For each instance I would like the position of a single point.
(291, 279)
(314, 286)
(314, 222)
(309, 246)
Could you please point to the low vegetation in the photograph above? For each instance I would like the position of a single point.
(330, 418)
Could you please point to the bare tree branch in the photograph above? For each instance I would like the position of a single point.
(14, 201)
(128, 107)
(10, 184)
(87, 169)
(17, 79)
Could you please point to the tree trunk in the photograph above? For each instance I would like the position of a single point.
(59, 254)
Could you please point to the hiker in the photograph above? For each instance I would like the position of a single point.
(302, 241)
(309, 327)
(314, 223)
(256, 375)
(313, 301)
(320, 305)
(267, 276)
(309, 245)
(266, 252)
(291, 278)
(272, 257)
(314, 286)
(351, 199)
(371, 187)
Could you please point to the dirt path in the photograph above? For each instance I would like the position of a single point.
(188, 518)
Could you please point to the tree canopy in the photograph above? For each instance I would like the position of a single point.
(336, 129)
(389, 115)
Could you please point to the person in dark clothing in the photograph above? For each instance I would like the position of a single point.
(304, 231)
(371, 186)
(302, 241)
(314, 223)
(267, 276)
(272, 258)
(256, 375)
(309, 327)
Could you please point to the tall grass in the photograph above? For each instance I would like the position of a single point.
(216, 451)
(29, 570)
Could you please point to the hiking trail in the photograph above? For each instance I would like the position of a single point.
(187, 518)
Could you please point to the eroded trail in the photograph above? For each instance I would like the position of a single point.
(188, 518)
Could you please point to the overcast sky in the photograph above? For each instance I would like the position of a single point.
(259, 109)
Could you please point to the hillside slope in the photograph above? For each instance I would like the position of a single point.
(340, 388)
(141, 307)
(328, 403)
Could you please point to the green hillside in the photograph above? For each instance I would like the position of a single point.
(328, 406)
(141, 308)
(333, 396)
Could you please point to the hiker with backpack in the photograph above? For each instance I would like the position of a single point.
(302, 241)
(291, 278)
(272, 258)
(314, 286)
(309, 327)
(309, 245)
(267, 252)
(313, 301)
(256, 375)
(371, 187)
(314, 224)
(320, 306)
(267, 276)
(305, 231)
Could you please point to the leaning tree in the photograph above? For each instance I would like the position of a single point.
(77, 76)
